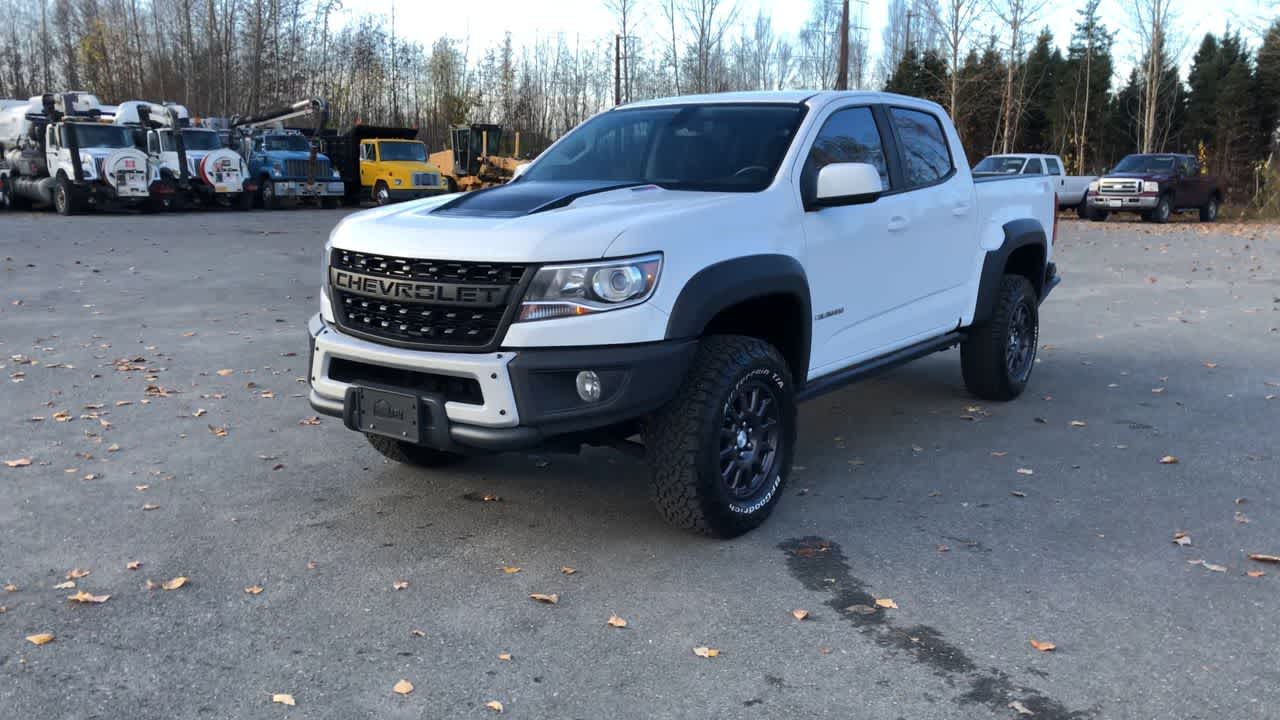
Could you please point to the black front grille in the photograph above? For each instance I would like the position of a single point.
(302, 169)
(424, 323)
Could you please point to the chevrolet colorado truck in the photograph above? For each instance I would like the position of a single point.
(1156, 186)
(683, 271)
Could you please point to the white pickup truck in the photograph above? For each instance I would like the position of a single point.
(1071, 189)
(683, 271)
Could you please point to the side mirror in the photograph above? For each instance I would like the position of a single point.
(847, 184)
(519, 170)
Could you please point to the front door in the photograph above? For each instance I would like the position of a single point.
(368, 156)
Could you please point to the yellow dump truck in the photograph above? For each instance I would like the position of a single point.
(383, 164)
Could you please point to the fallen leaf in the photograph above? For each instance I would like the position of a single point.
(1026, 471)
(1168, 460)
(254, 589)
(417, 633)
(705, 652)
(175, 583)
(943, 548)
(142, 488)
(218, 431)
(133, 565)
(10, 587)
(90, 476)
(283, 699)
(1256, 573)
(225, 372)
(510, 569)
(1042, 646)
(799, 614)
(199, 412)
(150, 506)
(551, 599)
(400, 584)
(567, 570)
(85, 597)
(615, 621)
(1211, 365)
(1019, 708)
(999, 453)
(1078, 423)
(1215, 568)
(494, 705)
(65, 585)
(77, 573)
(1241, 518)
(1018, 493)
(40, 638)
(404, 687)
(505, 657)
(312, 420)
(62, 416)
(20, 462)
(1263, 557)
(886, 603)
(1181, 538)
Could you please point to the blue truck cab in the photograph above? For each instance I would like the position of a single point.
(288, 166)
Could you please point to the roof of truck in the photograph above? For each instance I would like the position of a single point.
(776, 97)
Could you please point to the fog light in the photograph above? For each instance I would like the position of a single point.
(589, 386)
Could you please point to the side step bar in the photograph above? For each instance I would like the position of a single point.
(874, 366)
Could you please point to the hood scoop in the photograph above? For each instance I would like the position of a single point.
(526, 197)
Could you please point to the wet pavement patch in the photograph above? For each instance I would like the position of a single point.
(821, 566)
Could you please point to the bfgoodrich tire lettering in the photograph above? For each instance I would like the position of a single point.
(998, 355)
(720, 453)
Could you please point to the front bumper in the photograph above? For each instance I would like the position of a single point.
(501, 400)
(1119, 203)
(399, 195)
(301, 188)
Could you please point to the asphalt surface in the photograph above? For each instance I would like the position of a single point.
(1161, 341)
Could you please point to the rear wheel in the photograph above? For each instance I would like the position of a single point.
(997, 356)
(1209, 212)
(720, 452)
(410, 454)
(243, 201)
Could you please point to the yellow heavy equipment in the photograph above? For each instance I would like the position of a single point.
(473, 161)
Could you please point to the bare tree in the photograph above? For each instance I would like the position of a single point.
(707, 21)
(955, 20)
(1151, 21)
(1016, 16)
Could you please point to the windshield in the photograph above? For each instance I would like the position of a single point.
(103, 136)
(727, 148)
(287, 142)
(1000, 165)
(392, 150)
(1147, 164)
(201, 139)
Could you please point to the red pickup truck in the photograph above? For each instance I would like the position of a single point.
(1155, 185)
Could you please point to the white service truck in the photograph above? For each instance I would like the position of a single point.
(683, 271)
(61, 150)
(1071, 189)
(192, 160)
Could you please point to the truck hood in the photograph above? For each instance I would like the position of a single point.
(292, 155)
(1159, 177)
(526, 221)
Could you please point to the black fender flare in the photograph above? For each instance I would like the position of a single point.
(1017, 234)
(722, 285)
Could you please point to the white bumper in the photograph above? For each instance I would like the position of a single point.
(488, 369)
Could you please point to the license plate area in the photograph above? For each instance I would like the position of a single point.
(1116, 203)
(385, 412)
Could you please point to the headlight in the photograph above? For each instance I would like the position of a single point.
(397, 181)
(1150, 186)
(87, 165)
(569, 290)
(336, 175)
(1093, 186)
(277, 167)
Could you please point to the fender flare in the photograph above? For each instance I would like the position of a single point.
(1017, 234)
(727, 283)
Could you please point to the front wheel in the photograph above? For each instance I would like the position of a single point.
(267, 190)
(243, 201)
(64, 198)
(997, 356)
(1209, 212)
(720, 452)
(329, 202)
(410, 454)
(1161, 212)
(381, 193)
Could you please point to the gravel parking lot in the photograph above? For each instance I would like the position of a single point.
(154, 413)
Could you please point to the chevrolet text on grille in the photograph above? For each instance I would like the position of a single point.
(443, 293)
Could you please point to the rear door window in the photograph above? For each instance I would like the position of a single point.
(926, 159)
(1033, 167)
(1054, 167)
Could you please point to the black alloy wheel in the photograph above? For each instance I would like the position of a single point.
(1021, 350)
(749, 439)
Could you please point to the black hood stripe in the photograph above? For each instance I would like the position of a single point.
(525, 197)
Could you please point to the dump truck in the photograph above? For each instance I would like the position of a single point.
(285, 163)
(472, 162)
(61, 150)
(384, 164)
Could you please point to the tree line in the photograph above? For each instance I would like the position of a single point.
(1007, 84)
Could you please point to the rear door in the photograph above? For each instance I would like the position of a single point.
(1193, 188)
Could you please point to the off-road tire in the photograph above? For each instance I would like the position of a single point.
(984, 360)
(410, 454)
(1209, 212)
(64, 197)
(683, 439)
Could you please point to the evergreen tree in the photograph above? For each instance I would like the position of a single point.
(1267, 84)
(1039, 78)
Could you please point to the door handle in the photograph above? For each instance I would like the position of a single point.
(960, 208)
(897, 222)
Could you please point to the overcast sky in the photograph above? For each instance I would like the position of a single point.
(486, 22)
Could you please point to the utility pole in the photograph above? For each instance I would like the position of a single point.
(842, 59)
(617, 70)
